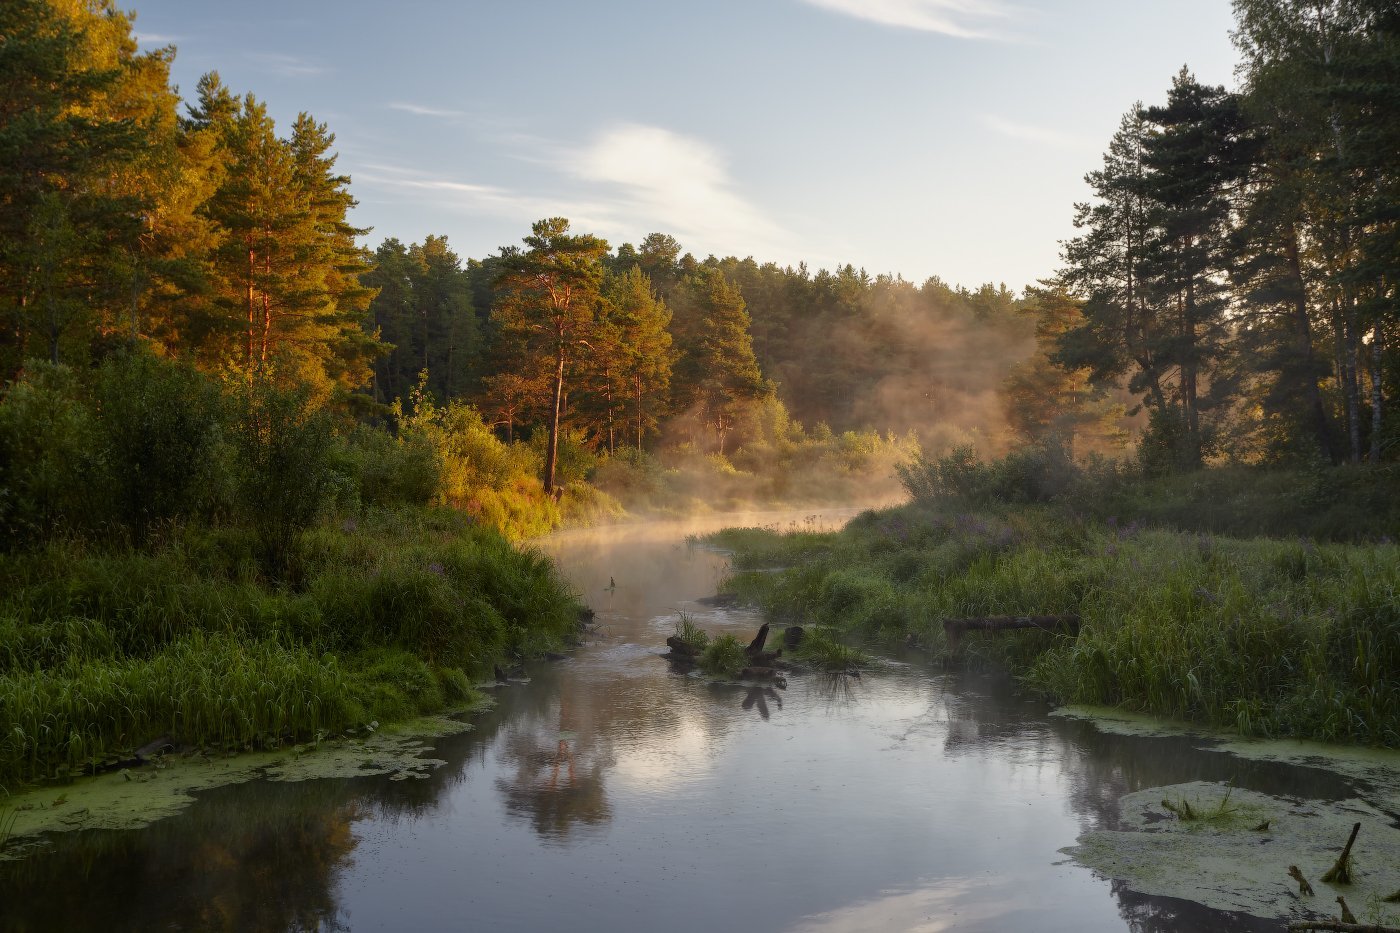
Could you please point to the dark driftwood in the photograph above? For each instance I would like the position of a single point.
(1340, 873)
(756, 646)
(793, 635)
(1341, 927)
(1303, 887)
(956, 628)
(682, 647)
(721, 600)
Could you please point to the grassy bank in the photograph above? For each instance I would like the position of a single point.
(235, 565)
(395, 614)
(1268, 637)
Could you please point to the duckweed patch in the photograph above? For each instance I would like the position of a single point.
(135, 798)
(1230, 864)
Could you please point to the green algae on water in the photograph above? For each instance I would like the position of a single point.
(132, 799)
(1228, 864)
(1377, 770)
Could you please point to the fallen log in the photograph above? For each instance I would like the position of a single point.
(755, 647)
(956, 628)
(682, 647)
(1340, 927)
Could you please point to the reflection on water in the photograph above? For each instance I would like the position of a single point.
(613, 792)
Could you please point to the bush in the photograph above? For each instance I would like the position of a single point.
(283, 447)
(159, 424)
(48, 456)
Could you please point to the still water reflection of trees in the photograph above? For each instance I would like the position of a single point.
(268, 855)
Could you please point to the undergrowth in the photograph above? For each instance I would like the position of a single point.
(1267, 637)
(395, 614)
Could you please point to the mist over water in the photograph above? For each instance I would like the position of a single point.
(608, 791)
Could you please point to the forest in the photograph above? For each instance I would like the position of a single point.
(209, 371)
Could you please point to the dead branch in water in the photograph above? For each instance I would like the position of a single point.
(956, 628)
(1340, 873)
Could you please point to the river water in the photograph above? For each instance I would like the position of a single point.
(611, 793)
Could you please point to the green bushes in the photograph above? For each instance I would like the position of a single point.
(1345, 503)
(158, 426)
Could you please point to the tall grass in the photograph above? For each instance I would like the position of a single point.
(1264, 636)
(102, 651)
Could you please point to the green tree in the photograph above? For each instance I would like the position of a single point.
(717, 374)
(548, 306)
(1046, 401)
(66, 230)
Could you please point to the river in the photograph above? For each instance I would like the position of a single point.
(608, 792)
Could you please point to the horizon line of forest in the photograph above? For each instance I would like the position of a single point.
(1230, 295)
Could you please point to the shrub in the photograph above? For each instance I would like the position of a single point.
(158, 426)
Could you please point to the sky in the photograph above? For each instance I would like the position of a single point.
(910, 137)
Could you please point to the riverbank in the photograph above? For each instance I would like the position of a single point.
(1261, 636)
(387, 616)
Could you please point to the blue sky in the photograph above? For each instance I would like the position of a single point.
(920, 137)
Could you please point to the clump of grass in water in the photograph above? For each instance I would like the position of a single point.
(690, 633)
(1183, 809)
(824, 652)
(724, 656)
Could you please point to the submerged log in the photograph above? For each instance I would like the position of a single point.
(955, 628)
(682, 647)
(1303, 887)
(720, 600)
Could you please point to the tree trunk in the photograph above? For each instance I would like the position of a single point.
(639, 413)
(552, 454)
(1351, 357)
(252, 304)
(266, 302)
(1377, 398)
(1317, 413)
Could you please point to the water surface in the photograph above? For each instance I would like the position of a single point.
(610, 792)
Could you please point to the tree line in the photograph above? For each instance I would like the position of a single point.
(202, 230)
(1237, 267)
(1231, 286)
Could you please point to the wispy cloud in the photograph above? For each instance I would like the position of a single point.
(622, 183)
(155, 38)
(665, 181)
(962, 19)
(289, 66)
(422, 111)
(1041, 135)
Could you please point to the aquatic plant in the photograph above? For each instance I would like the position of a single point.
(690, 633)
(724, 656)
(1221, 811)
(819, 649)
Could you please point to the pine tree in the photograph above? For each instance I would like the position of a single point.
(1046, 401)
(717, 375)
(547, 307)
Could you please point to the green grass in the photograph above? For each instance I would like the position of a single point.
(690, 633)
(723, 656)
(395, 614)
(1267, 637)
(821, 649)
